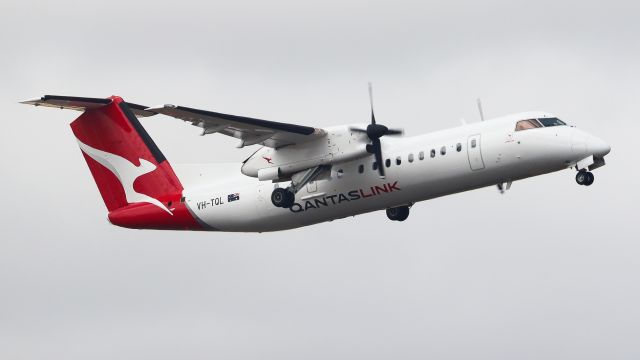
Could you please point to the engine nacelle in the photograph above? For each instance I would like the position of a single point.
(270, 173)
(340, 145)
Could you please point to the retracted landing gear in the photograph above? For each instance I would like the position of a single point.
(283, 198)
(584, 178)
(400, 213)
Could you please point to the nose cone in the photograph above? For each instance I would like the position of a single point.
(597, 146)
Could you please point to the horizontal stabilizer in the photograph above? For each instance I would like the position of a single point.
(83, 103)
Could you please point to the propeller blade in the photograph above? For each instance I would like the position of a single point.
(373, 116)
(377, 151)
(395, 132)
(358, 130)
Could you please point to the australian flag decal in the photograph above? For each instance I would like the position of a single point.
(233, 197)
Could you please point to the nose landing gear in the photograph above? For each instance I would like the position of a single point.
(584, 178)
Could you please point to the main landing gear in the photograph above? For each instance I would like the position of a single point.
(283, 198)
(584, 177)
(400, 213)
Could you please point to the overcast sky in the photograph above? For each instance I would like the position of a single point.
(547, 271)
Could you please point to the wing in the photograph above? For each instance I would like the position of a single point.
(249, 130)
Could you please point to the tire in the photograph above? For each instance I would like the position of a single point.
(581, 177)
(282, 198)
(291, 198)
(404, 213)
(590, 179)
(392, 214)
(400, 213)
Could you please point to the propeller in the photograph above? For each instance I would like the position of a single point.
(375, 131)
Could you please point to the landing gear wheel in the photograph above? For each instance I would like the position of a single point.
(581, 177)
(584, 178)
(400, 213)
(282, 198)
(590, 179)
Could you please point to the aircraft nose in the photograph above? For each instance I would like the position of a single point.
(597, 146)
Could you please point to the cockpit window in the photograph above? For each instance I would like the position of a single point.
(551, 122)
(527, 124)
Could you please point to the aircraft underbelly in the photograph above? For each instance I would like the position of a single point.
(247, 207)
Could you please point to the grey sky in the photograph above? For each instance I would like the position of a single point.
(548, 270)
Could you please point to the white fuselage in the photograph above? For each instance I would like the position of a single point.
(431, 165)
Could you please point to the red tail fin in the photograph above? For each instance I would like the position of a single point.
(136, 182)
(126, 164)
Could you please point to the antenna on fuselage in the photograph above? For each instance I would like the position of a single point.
(480, 109)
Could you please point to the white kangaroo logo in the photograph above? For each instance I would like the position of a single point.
(126, 172)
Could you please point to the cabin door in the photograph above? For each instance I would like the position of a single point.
(474, 152)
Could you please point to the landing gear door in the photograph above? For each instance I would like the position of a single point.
(474, 152)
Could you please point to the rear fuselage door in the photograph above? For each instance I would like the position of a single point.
(474, 152)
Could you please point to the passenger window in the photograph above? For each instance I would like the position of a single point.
(421, 155)
(459, 147)
(473, 143)
(375, 166)
(398, 160)
(360, 168)
(443, 150)
(387, 162)
(433, 153)
(410, 158)
(527, 124)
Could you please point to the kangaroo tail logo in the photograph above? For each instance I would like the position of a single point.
(126, 172)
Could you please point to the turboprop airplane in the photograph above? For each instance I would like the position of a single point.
(303, 175)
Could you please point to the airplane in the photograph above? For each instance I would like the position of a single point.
(303, 175)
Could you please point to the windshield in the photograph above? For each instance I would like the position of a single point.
(551, 122)
(527, 124)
